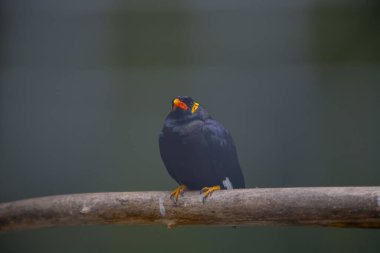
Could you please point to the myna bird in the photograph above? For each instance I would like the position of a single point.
(198, 151)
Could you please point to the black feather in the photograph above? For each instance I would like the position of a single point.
(198, 151)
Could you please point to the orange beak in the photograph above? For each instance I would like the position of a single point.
(180, 104)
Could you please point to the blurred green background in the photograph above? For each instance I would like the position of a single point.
(85, 87)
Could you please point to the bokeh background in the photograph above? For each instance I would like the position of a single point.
(85, 87)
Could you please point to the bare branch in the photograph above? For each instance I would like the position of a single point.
(326, 206)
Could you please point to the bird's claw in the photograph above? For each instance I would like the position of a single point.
(207, 191)
(174, 195)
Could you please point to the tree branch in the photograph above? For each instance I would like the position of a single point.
(357, 207)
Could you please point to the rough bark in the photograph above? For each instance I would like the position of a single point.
(357, 207)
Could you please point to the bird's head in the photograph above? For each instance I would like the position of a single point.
(184, 108)
(184, 105)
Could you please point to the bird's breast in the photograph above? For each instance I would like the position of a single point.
(182, 139)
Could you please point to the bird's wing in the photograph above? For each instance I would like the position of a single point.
(222, 152)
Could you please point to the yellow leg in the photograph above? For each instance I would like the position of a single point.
(207, 191)
(177, 192)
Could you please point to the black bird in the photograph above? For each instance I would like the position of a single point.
(198, 151)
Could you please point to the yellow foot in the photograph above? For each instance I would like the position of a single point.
(207, 191)
(174, 195)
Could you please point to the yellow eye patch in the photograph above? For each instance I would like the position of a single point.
(195, 107)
